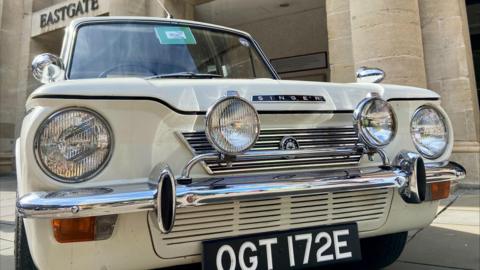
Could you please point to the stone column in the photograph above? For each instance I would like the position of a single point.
(449, 67)
(387, 34)
(340, 41)
(11, 36)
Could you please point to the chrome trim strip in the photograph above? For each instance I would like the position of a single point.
(444, 171)
(333, 139)
(268, 154)
(141, 197)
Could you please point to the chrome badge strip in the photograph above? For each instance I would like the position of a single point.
(287, 98)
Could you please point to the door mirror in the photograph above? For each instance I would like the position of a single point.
(370, 75)
(47, 68)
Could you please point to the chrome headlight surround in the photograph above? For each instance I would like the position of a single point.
(213, 127)
(444, 125)
(360, 122)
(79, 178)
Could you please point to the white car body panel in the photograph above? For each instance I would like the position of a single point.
(199, 95)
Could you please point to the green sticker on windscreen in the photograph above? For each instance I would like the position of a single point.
(175, 35)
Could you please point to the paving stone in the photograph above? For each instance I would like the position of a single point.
(447, 247)
(461, 228)
(400, 265)
(468, 202)
(7, 261)
(7, 232)
(459, 217)
(5, 244)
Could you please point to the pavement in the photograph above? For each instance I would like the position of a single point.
(452, 241)
(8, 187)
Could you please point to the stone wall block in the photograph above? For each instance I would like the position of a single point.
(11, 20)
(339, 19)
(342, 73)
(439, 9)
(369, 44)
(472, 131)
(459, 125)
(449, 27)
(455, 92)
(9, 48)
(333, 6)
(341, 54)
(455, 64)
(433, 66)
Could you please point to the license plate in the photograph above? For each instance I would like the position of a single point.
(295, 249)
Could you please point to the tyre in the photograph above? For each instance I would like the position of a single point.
(381, 251)
(23, 258)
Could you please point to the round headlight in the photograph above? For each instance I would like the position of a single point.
(73, 145)
(232, 125)
(375, 121)
(429, 132)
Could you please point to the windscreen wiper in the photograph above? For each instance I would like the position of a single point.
(185, 75)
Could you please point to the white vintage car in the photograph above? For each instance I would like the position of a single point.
(161, 142)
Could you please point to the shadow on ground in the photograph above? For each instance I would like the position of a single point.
(433, 248)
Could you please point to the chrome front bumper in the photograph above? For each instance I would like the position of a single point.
(155, 192)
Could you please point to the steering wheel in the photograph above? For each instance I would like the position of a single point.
(105, 73)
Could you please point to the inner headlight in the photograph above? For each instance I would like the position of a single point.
(232, 125)
(375, 121)
(73, 144)
(429, 132)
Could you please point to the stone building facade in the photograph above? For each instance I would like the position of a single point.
(425, 43)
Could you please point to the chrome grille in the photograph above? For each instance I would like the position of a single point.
(368, 208)
(318, 138)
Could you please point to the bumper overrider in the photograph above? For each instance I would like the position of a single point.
(163, 193)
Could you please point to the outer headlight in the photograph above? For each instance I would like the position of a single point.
(232, 125)
(73, 145)
(429, 132)
(375, 122)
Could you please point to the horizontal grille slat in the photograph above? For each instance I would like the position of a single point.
(204, 219)
(316, 138)
(368, 208)
(201, 226)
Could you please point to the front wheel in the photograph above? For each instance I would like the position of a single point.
(381, 251)
(23, 258)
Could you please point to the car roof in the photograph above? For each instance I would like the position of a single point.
(83, 20)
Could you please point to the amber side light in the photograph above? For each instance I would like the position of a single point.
(440, 190)
(74, 230)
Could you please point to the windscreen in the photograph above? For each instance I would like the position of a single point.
(148, 49)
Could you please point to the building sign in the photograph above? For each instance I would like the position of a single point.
(71, 10)
(61, 14)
